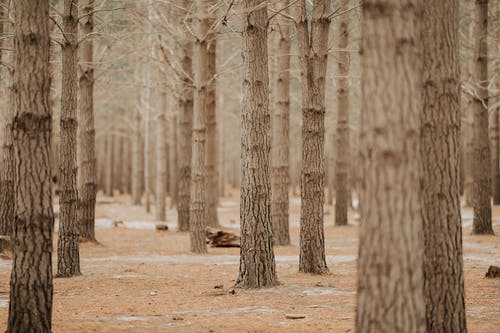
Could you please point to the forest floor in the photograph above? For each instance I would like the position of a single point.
(140, 280)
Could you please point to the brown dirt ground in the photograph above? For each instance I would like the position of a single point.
(140, 280)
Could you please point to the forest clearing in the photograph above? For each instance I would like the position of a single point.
(141, 280)
(250, 166)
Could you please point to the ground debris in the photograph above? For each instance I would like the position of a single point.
(493, 272)
(161, 227)
(221, 238)
(294, 316)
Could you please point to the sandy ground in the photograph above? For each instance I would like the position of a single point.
(140, 280)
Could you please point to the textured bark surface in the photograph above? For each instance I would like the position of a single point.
(257, 265)
(87, 173)
(6, 145)
(211, 156)
(185, 131)
(342, 160)
(161, 161)
(481, 184)
(68, 257)
(313, 56)
(495, 112)
(197, 213)
(390, 284)
(30, 306)
(439, 153)
(280, 179)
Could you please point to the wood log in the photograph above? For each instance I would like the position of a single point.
(221, 238)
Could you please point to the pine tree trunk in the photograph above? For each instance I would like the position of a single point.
(173, 167)
(469, 141)
(481, 165)
(197, 217)
(342, 161)
(161, 161)
(211, 157)
(280, 179)
(30, 306)
(87, 172)
(313, 56)
(185, 132)
(390, 284)
(109, 162)
(7, 179)
(257, 265)
(439, 153)
(137, 160)
(68, 257)
(495, 112)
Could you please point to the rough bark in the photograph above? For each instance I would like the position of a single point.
(68, 257)
(257, 265)
(481, 166)
(313, 56)
(280, 179)
(197, 212)
(87, 163)
(440, 156)
(495, 112)
(211, 157)
(30, 306)
(390, 283)
(161, 162)
(342, 158)
(7, 180)
(185, 132)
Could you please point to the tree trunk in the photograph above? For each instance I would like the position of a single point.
(197, 217)
(342, 160)
(30, 306)
(313, 56)
(211, 157)
(7, 179)
(172, 169)
(495, 112)
(110, 141)
(390, 275)
(161, 161)
(280, 179)
(440, 156)
(481, 165)
(68, 257)
(469, 140)
(137, 160)
(257, 265)
(185, 132)
(86, 130)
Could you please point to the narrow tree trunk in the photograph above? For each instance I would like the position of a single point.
(68, 257)
(161, 161)
(86, 130)
(173, 167)
(439, 153)
(313, 56)
(221, 169)
(211, 157)
(342, 160)
(390, 277)
(197, 217)
(481, 185)
(495, 112)
(110, 142)
(185, 133)
(7, 179)
(280, 179)
(30, 306)
(257, 265)
(137, 160)
(469, 140)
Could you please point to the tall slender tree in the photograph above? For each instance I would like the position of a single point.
(30, 306)
(280, 171)
(68, 257)
(257, 265)
(481, 168)
(439, 153)
(313, 56)
(87, 173)
(390, 283)
(495, 111)
(161, 160)
(185, 124)
(137, 158)
(342, 158)
(7, 180)
(197, 214)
